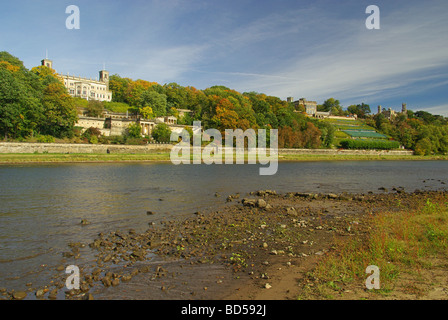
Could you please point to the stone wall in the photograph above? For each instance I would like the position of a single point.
(23, 147)
(346, 152)
(7, 147)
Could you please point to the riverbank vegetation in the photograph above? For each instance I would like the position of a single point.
(407, 243)
(165, 156)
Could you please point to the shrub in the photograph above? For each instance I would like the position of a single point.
(45, 139)
(370, 144)
(134, 131)
(161, 133)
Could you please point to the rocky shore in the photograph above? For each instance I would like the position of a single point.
(257, 247)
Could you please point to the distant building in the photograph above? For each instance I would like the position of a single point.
(310, 108)
(391, 114)
(89, 89)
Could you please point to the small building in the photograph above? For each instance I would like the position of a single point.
(183, 112)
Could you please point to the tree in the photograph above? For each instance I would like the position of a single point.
(361, 110)
(155, 100)
(59, 111)
(332, 105)
(134, 130)
(94, 108)
(20, 105)
(146, 112)
(161, 133)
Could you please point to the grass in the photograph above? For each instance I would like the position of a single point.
(165, 156)
(402, 244)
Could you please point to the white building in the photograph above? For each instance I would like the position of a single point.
(84, 88)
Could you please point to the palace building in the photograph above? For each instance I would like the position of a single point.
(89, 89)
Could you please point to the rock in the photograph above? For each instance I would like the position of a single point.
(106, 281)
(126, 278)
(115, 282)
(291, 211)
(332, 196)
(149, 213)
(267, 286)
(60, 268)
(88, 297)
(84, 222)
(249, 202)
(53, 294)
(261, 203)
(40, 293)
(19, 295)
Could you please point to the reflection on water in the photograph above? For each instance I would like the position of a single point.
(41, 206)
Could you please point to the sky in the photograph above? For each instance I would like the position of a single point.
(285, 48)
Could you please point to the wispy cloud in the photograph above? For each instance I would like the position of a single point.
(359, 63)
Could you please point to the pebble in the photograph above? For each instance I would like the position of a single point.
(19, 295)
(267, 286)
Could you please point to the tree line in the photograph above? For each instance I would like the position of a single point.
(35, 103)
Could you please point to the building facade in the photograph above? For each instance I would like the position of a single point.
(89, 89)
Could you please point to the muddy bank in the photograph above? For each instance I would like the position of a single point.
(239, 252)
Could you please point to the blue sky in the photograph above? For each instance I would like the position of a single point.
(311, 49)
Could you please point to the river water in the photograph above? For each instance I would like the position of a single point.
(41, 206)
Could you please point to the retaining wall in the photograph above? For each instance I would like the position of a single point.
(23, 147)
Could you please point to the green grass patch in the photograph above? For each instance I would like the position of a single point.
(397, 242)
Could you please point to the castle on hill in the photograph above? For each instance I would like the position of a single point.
(89, 89)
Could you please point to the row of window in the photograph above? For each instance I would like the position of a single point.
(92, 87)
(92, 94)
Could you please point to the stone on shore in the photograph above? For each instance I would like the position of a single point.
(19, 295)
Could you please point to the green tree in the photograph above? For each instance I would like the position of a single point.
(95, 108)
(59, 111)
(161, 133)
(146, 112)
(20, 105)
(134, 130)
(155, 100)
(332, 105)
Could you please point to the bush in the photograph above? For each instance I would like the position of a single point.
(370, 144)
(45, 139)
(134, 131)
(161, 133)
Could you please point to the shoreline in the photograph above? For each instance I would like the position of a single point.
(55, 158)
(262, 247)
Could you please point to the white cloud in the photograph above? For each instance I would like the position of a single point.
(439, 110)
(358, 62)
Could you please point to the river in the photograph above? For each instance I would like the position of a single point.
(41, 206)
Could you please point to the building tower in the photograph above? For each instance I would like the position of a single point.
(379, 109)
(48, 63)
(104, 77)
(404, 108)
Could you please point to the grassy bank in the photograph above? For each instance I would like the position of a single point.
(67, 158)
(165, 156)
(409, 246)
